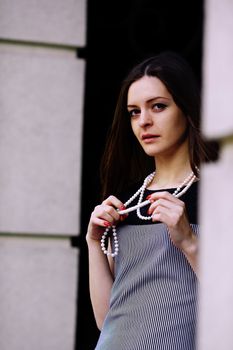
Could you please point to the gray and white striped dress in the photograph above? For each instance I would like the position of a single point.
(153, 302)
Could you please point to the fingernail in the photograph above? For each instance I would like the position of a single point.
(148, 197)
(107, 224)
(122, 207)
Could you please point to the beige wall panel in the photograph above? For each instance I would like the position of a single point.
(37, 294)
(49, 21)
(41, 99)
(216, 258)
(218, 68)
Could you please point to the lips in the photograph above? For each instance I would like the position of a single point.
(149, 137)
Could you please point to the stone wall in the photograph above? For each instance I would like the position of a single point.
(41, 115)
(216, 206)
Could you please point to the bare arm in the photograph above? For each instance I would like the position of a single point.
(100, 267)
(100, 281)
(171, 211)
(189, 247)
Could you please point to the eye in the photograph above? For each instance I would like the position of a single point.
(134, 112)
(159, 106)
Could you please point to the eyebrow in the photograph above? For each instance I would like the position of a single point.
(152, 99)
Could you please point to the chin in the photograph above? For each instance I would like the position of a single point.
(151, 153)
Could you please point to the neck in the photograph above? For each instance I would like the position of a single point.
(170, 173)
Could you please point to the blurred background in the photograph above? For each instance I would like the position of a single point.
(61, 65)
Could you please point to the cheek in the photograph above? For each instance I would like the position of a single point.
(179, 124)
(135, 131)
(134, 128)
(183, 125)
(180, 133)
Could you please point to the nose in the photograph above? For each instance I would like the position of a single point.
(145, 118)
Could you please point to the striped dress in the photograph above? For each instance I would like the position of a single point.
(153, 302)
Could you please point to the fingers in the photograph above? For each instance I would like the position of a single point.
(164, 199)
(99, 222)
(106, 214)
(163, 195)
(165, 208)
(160, 203)
(113, 201)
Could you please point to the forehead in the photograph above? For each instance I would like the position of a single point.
(146, 88)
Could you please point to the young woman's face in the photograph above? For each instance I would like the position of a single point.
(157, 122)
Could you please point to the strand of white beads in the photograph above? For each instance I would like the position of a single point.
(146, 182)
(177, 193)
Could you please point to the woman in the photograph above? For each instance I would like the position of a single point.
(143, 284)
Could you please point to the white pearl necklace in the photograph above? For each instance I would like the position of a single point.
(177, 193)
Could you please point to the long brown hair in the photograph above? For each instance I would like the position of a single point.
(124, 162)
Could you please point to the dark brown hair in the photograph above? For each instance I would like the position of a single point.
(124, 162)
